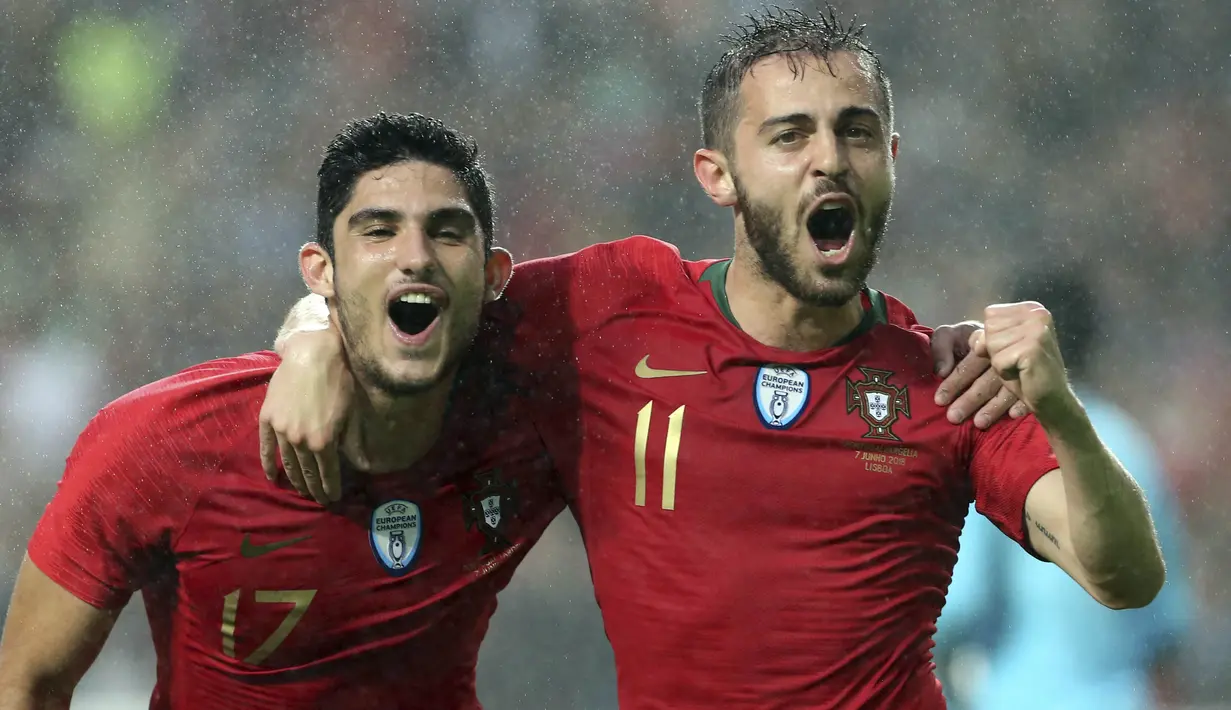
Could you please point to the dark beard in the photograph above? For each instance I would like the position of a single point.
(354, 321)
(764, 227)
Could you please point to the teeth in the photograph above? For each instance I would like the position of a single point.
(831, 252)
(832, 206)
(415, 298)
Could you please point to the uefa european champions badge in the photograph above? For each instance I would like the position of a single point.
(781, 393)
(395, 533)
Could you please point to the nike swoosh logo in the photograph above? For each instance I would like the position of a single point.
(645, 372)
(247, 549)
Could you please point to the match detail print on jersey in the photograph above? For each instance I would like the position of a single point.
(781, 394)
(395, 533)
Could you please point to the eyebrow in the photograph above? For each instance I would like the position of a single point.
(853, 112)
(388, 214)
(789, 118)
(442, 214)
(374, 214)
(846, 114)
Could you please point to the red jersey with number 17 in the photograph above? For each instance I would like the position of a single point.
(765, 528)
(258, 598)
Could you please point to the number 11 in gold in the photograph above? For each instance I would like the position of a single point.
(675, 428)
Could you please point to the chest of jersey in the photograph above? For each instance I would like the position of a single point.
(400, 571)
(702, 466)
(676, 422)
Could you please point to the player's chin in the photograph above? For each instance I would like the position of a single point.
(409, 376)
(414, 360)
(834, 286)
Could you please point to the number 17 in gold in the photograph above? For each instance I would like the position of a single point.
(675, 428)
(300, 598)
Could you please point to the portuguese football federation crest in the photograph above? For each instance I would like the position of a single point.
(490, 508)
(878, 402)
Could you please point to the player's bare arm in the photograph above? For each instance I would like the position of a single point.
(309, 397)
(50, 639)
(1089, 516)
(306, 407)
(309, 314)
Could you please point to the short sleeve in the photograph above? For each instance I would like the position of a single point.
(111, 523)
(1006, 461)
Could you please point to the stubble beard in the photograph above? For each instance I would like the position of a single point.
(355, 322)
(765, 226)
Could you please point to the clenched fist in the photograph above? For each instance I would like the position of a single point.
(1020, 339)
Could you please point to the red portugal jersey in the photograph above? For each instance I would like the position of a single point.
(765, 528)
(260, 599)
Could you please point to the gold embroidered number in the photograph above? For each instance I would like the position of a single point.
(300, 598)
(675, 427)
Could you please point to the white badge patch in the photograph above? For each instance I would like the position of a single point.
(491, 511)
(781, 393)
(395, 533)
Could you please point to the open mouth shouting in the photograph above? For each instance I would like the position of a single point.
(831, 224)
(414, 311)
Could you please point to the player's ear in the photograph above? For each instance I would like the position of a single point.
(317, 269)
(497, 272)
(713, 172)
(893, 146)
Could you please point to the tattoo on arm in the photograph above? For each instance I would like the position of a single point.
(1046, 533)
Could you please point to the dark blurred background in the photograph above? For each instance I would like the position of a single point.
(158, 174)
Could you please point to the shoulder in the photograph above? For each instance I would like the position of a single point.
(203, 408)
(899, 314)
(899, 340)
(637, 257)
(573, 291)
(196, 394)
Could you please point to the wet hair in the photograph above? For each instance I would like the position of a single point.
(792, 33)
(387, 139)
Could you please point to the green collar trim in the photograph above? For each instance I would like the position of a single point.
(716, 276)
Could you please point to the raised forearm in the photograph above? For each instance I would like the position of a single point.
(1109, 522)
(308, 314)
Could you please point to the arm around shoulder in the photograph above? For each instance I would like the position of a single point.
(309, 313)
(50, 639)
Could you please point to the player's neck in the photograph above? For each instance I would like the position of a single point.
(394, 432)
(772, 316)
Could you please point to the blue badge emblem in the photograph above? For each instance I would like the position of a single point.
(781, 394)
(395, 533)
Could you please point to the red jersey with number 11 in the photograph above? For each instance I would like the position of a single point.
(765, 528)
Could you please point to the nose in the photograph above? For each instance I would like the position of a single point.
(828, 155)
(414, 252)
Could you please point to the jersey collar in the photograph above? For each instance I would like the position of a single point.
(875, 310)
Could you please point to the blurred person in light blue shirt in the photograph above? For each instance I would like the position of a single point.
(1016, 632)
